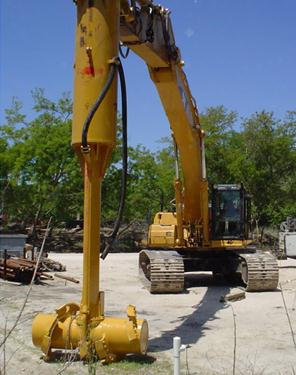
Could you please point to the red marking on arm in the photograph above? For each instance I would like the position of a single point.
(89, 71)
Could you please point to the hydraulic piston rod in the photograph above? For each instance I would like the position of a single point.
(85, 326)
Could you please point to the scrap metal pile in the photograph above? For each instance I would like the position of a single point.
(52, 265)
(287, 238)
(21, 270)
(289, 225)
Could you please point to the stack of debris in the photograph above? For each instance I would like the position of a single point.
(59, 240)
(130, 238)
(287, 238)
(52, 265)
(21, 270)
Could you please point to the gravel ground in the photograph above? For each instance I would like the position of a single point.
(264, 342)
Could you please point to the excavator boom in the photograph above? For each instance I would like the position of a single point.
(155, 44)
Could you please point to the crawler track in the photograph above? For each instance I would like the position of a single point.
(260, 272)
(161, 271)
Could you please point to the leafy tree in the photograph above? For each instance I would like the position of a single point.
(40, 175)
(165, 159)
(43, 174)
(150, 183)
(143, 192)
(111, 186)
(268, 166)
(218, 124)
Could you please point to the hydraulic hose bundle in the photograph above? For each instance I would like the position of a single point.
(115, 66)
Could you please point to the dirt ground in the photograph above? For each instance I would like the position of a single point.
(264, 342)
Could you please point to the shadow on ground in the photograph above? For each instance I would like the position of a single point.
(142, 359)
(286, 267)
(192, 327)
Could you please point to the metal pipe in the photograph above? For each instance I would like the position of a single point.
(176, 159)
(179, 198)
(67, 278)
(91, 228)
(177, 349)
(203, 156)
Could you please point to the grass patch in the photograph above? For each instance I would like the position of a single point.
(138, 365)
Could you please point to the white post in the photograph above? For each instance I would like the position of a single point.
(177, 346)
(177, 349)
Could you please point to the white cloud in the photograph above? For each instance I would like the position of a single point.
(189, 32)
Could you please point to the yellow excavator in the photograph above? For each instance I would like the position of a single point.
(192, 237)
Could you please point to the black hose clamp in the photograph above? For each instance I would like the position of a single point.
(85, 149)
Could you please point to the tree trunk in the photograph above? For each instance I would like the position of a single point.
(36, 219)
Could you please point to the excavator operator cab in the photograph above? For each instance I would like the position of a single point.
(230, 212)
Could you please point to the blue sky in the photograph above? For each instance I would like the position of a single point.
(239, 53)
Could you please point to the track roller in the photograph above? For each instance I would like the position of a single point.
(260, 272)
(161, 271)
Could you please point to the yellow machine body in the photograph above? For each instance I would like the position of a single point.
(163, 233)
(97, 37)
(85, 326)
(110, 337)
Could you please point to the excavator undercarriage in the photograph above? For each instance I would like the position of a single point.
(163, 271)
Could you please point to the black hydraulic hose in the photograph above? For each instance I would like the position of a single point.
(113, 235)
(122, 54)
(93, 110)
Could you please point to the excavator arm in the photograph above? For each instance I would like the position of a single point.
(147, 30)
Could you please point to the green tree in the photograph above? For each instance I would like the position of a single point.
(218, 124)
(268, 165)
(143, 188)
(165, 159)
(40, 175)
(150, 183)
(43, 174)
